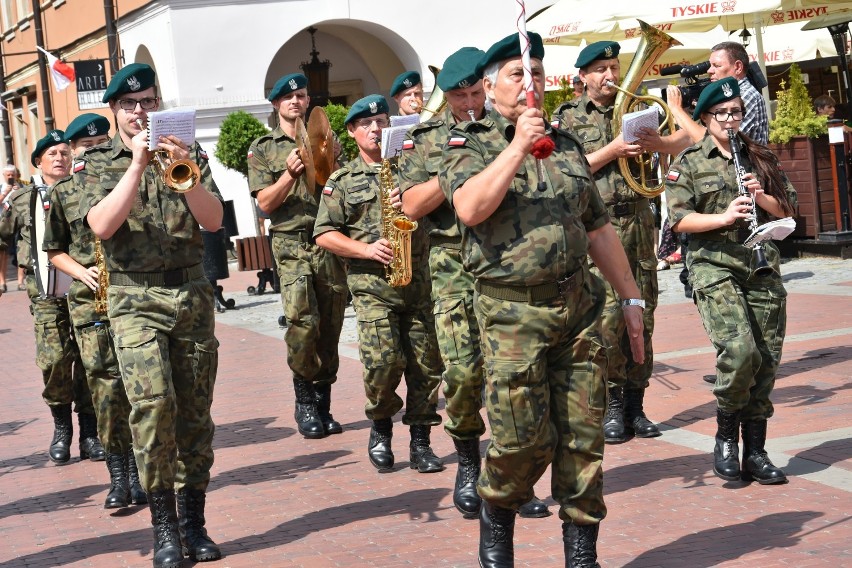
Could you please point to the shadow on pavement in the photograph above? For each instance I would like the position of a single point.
(49, 502)
(248, 432)
(79, 550)
(278, 470)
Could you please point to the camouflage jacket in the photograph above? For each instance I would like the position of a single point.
(534, 236)
(267, 161)
(18, 219)
(65, 230)
(592, 124)
(702, 180)
(421, 161)
(160, 232)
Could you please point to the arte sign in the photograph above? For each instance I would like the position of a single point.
(91, 83)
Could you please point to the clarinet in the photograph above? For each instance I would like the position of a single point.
(761, 265)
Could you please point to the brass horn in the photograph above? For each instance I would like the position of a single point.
(436, 101)
(651, 47)
(180, 175)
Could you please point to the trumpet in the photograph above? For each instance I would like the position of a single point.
(179, 175)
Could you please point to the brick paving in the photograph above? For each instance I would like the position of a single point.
(276, 499)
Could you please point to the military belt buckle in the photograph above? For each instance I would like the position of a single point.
(172, 278)
(621, 209)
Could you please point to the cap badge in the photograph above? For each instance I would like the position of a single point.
(407, 82)
(133, 83)
(92, 129)
(56, 136)
(464, 84)
(293, 84)
(608, 52)
(727, 90)
(374, 107)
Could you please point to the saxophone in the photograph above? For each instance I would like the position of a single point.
(397, 229)
(103, 279)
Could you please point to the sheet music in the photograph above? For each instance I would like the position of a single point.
(392, 139)
(179, 122)
(407, 120)
(632, 122)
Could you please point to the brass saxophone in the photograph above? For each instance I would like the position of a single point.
(397, 229)
(103, 279)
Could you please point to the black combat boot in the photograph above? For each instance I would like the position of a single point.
(465, 497)
(496, 537)
(329, 424)
(535, 508)
(119, 490)
(306, 415)
(726, 454)
(421, 456)
(379, 446)
(63, 430)
(613, 426)
(167, 549)
(137, 494)
(581, 545)
(756, 463)
(196, 544)
(635, 421)
(90, 444)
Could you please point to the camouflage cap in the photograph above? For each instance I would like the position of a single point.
(715, 93)
(287, 84)
(509, 47)
(460, 70)
(597, 50)
(404, 81)
(129, 79)
(52, 138)
(371, 105)
(88, 124)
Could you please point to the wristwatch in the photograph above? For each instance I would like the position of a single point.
(633, 302)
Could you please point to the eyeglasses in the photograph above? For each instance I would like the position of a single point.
(148, 103)
(724, 115)
(366, 123)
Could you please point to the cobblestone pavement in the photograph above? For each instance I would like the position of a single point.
(276, 499)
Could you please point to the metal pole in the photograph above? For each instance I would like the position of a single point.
(5, 123)
(839, 33)
(112, 43)
(42, 67)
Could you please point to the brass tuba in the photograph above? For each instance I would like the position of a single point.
(180, 175)
(397, 229)
(436, 101)
(651, 46)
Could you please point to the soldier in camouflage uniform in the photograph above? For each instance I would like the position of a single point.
(396, 329)
(71, 248)
(744, 312)
(407, 91)
(161, 309)
(590, 118)
(313, 283)
(452, 285)
(525, 239)
(57, 354)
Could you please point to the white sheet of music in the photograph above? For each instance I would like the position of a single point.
(176, 121)
(407, 120)
(392, 139)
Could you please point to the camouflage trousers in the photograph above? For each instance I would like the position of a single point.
(396, 335)
(545, 392)
(168, 357)
(745, 317)
(97, 352)
(57, 354)
(313, 292)
(458, 342)
(637, 236)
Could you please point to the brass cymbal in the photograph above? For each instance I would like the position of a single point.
(303, 143)
(322, 144)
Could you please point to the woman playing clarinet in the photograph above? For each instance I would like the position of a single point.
(738, 290)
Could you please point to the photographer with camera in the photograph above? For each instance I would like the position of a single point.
(729, 59)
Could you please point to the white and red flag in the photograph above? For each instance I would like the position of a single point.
(63, 74)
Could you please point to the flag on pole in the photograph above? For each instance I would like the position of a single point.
(63, 74)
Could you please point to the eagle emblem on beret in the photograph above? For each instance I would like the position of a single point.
(92, 129)
(374, 107)
(133, 83)
(727, 90)
(464, 84)
(56, 136)
(608, 52)
(407, 82)
(293, 84)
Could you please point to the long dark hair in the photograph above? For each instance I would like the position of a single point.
(768, 171)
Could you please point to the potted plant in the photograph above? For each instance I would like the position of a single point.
(799, 138)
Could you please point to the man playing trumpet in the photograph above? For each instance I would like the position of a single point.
(407, 91)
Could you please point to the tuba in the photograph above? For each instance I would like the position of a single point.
(180, 175)
(436, 101)
(651, 46)
(397, 229)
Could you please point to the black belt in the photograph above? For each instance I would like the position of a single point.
(627, 208)
(301, 236)
(167, 279)
(445, 242)
(538, 293)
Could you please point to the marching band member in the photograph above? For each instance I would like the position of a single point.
(407, 91)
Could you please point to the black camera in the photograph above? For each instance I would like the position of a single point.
(692, 90)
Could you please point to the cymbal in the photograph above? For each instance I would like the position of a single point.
(322, 144)
(303, 143)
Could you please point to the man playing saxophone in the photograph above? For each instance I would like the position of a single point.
(590, 118)
(396, 327)
(71, 247)
(452, 285)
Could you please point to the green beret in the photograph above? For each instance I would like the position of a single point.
(287, 84)
(129, 79)
(88, 124)
(371, 105)
(597, 50)
(459, 70)
(404, 81)
(53, 138)
(508, 47)
(715, 93)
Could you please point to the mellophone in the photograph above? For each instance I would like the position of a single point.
(51, 282)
